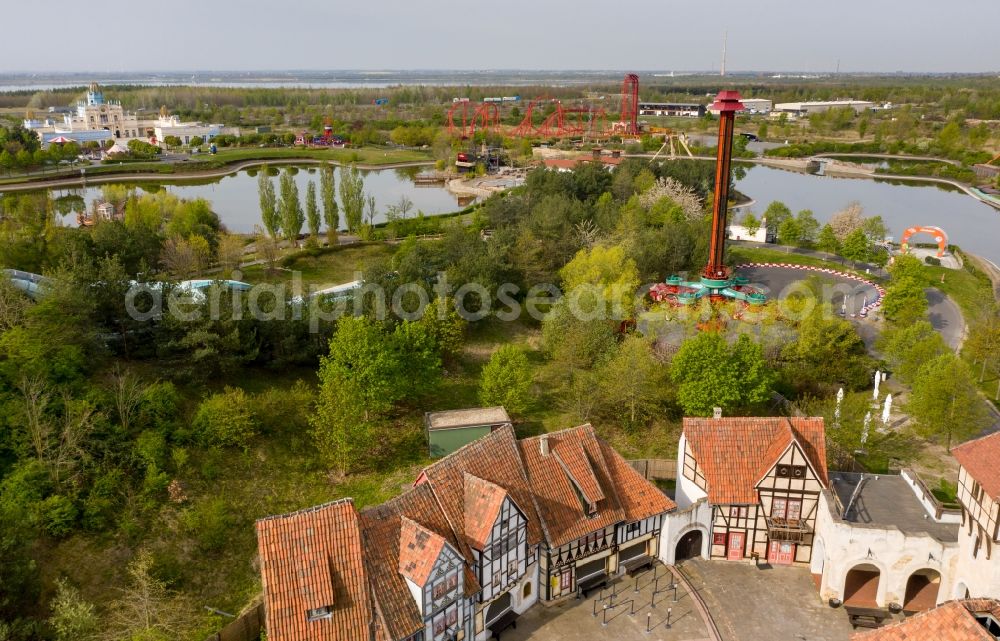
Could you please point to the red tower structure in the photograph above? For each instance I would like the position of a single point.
(727, 103)
(630, 103)
(716, 281)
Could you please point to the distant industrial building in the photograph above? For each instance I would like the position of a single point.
(688, 110)
(806, 108)
(751, 106)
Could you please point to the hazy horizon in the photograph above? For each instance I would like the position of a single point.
(859, 36)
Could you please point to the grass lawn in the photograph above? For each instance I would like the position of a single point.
(332, 266)
(743, 254)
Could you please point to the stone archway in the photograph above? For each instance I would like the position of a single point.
(922, 589)
(861, 585)
(689, 546)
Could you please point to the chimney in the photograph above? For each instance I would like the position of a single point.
(543, 444)
(717, 412)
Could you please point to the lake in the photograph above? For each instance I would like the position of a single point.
(234, 198)
(973, 225)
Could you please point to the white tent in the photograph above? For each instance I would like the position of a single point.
(116, 149)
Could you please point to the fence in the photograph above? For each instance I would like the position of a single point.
(653, 469)
(246, 627)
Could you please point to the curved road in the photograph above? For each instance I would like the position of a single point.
(945, 317)
(887, 157)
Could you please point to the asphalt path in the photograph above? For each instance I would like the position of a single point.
(945, 317)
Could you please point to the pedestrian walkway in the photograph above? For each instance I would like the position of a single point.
(619, 612)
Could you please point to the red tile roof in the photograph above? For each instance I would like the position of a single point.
(313, 559)
(419, 549)
(638, 497)
(580, 469)
(381, 527)
(483, 501)
(493, 458)
(563, 514)
(734, 453)
(951, 621)
(980, 459)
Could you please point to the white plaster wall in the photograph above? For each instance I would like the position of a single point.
(981, 576)
(678, 523)
(519, 603)
(687, 492)
(946, 517)
(896, 555)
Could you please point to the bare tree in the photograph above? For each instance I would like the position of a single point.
(13, 304)
(128, 391)
(59, 445)
(230, 252)
(146, 609)
(404, 205)
(179, 257)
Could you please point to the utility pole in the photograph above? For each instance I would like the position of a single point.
(725, 42)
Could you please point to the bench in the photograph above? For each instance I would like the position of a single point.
(866, 617)
(507, 620)
(637, 564)
(590, 583)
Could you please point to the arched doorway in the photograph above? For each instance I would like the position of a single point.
(861, 586)
(689, 547)
(962, 591)
(922, 590)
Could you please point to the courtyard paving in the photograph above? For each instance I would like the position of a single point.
(766, 603)
(574, 620)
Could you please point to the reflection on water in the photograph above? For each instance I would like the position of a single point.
(969, 223)
(235, 198)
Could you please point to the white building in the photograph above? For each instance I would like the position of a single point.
(740, 232)
(184, 131)
(94, 119)
(751, 106)
(805, 108)
(978, 571)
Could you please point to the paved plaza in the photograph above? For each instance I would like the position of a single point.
(765, 604)
(574, 620)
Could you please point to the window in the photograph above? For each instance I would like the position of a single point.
(452, 581)
(316, 614)
(734, 511)
(512, 567)
(632, 528)
(452, 615)
(440, 589)
(744, 511)
(496, 578)
(719, 538)
(526, 592)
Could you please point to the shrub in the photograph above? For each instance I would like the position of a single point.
(226, 419)
(58, 514)
(932, 260)
(209, 523)
(506, 380)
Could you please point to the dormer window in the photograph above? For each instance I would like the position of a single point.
(316, 614)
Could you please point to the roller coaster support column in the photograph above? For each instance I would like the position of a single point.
(727, 103)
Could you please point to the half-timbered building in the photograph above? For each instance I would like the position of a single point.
(762, 478)
(484, 534)
(978, 572)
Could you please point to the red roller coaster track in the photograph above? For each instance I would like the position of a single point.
(630, 103)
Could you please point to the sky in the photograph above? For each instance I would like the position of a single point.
(764, 35)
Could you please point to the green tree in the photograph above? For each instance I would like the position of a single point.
(608, 273)
(506, 380)
(268, 202)
(789, 232)
(312, 210)
(808, 227)
(827, 240)
(827, 350)
(907, 347)
(751, 224)
(777, 213)
(631, 381)
(856, 247)
(762, 131)
(352, 196)
(292, 216)
(226, 419)
(147, 609)
(711, 373)
(196, 141)
(73, 618)
(944, 401)
(328, 191)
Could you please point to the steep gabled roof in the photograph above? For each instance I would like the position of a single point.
(556, 485)
(381, 527)
(580, 470)
(951, 621)
(309, 560)
(736, 452)
(493, 458)
(981, 459)
(483, 501)
(419, 549)
(639, 498)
